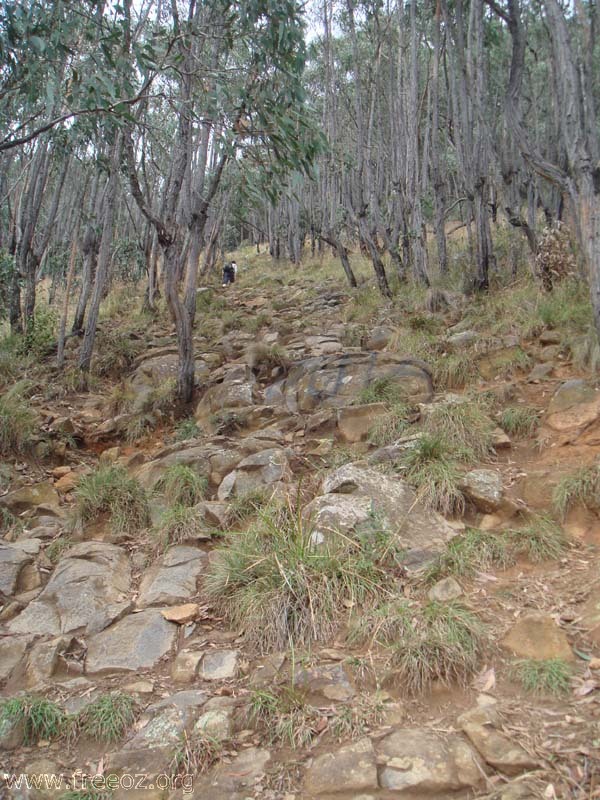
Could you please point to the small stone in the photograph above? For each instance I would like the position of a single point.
(540, 372)
(219, 665)
(538, 636)
(139, 687)
(181, 614)
(67, 483)
(185, 666)
(445, 590)
(214, 723)
(594, 663)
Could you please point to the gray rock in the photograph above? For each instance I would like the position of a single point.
(234, 780)
(463, 339)
(354, 495)
(136, 642)
(28, 498)
(43, 660)
(217, 724)
(483, 488)
(419, 760)
(12, 560)
(257, 470)
(355, 422)
(330, 680)
(12, 650)
(219, 665)
(351, 768)
(497, 749)
(12, 733)
(87, 591)
(173, 578)
(185, 666)
(571, 393)
(445, 590)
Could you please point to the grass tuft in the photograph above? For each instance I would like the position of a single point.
(108, 718)
(17, 420)
(285, 716)
(435, 642)
(520, 421)
(544, 676)
(181, 485)
(381, 390)
(581, 487)
(110, 490)
(540, 540)
(187, 429)
(465, 427)
(178, 524)
(430, 468)
(196, 754)
(282, 588)
(391, 426)
(41, 718)
(471, 552)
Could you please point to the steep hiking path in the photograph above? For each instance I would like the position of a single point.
(366, 566)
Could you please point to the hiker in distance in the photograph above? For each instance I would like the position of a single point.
(229, 273)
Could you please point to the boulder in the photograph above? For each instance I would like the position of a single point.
(217, 724)
(13, 559)
(218, 665)
(484, 489)
(497, 749)
(256, 471)
(351, 768)
(87, 591)
(43, 658)
(355, 422)
(12, 650)
(419, 760)
(173, 578)
(194, 456)
(359, 497)
(574, 405)
(332, 681)
(185, 666)
(538, 636)
(335, 381)
(136, 642)
(236, 392)
(377, 339)
(28, 498)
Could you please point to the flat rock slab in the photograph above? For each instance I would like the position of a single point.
(173, 578)
(30, 497)
(421, 760)
(219, 665)
(497, 749)
(88, 590)
(538, 636)
(351, 768)
(12, 650)
(136, 642)
(355, 422)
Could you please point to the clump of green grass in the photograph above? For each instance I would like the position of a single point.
(551, 676)
(465, 427)
(567, 307)
(182, 485)
(121, 398)
(390, 427)
(138, 427)
(422, 644)
(382, 390)
(177, 524)
(110, 490)
(41, 718)
(454, 371)
(196, 754)
(285, 716)
(254, 323)
(8, 521)
(364, 306)
(108, 718)
(249, 504)
(17, 420)
(187, 429)
(581, 487)
(12, 359)
(541, 539)
(471, 552)
(57, 547)
(288, 590)
(520, 421)
(435, 474)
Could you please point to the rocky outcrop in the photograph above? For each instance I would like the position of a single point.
(88, 590)
(335, 381)
(173, 578)
(355, 497)
(257, 471)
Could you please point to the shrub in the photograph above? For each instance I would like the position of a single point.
(543, 676)
(39, 338)
(581, 487)
(41, 718)
(282, 588)
(181, 485)
(17, 420)
(520, 421)
(108, 718)
(110, 490)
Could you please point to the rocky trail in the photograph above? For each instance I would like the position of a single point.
(289, 376)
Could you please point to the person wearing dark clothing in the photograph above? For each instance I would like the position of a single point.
(228, 274)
